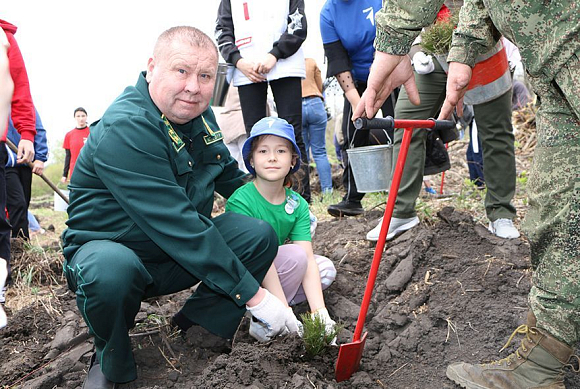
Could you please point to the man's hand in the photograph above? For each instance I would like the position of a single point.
(273, 314)
(38, 167)
(63, 180)
(457, 81)
(248, 68)
(387, 73)
(266, 64)
(25, 151)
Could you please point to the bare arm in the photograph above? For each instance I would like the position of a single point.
(272, 282)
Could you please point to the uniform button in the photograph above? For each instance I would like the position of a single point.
(238, 296)
(190, 164)
(219, 157)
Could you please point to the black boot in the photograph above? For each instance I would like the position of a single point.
(346, 208)
(96, 379)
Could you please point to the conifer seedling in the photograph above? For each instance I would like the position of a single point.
(316, 340)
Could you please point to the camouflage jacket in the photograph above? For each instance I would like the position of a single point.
(545, 31)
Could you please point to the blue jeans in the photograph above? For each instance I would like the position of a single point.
(314, 135)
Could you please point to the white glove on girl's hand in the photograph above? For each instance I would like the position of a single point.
(274, 315)
(329, 324)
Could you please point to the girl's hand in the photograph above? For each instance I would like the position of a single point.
(329, 324)
(248, 69)
(266, 64)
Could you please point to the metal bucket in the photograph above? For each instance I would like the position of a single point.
(222, 84)
(371, 167)
(59, 203)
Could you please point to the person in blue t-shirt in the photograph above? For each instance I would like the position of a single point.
(348, 31)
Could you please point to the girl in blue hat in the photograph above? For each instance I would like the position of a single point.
(297, 274)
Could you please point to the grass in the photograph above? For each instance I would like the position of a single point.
(437, 38)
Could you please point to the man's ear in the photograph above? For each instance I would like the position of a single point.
(150, 67)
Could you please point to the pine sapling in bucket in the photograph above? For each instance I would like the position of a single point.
(317, 334)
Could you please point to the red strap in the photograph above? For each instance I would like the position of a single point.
(489, 70)
(246, 12)
(443, 14)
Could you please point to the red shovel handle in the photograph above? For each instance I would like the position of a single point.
(383, 234)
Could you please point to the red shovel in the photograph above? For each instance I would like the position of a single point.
(349, 354)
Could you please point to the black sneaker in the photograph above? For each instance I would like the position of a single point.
(346, 208)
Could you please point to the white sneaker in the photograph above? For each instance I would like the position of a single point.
(3, 275)
(503, 228)
(397, 227)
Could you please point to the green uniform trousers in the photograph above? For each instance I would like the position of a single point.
(110, 280)
(497, 139)
(552, 223)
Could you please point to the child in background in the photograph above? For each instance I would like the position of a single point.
(272, 156)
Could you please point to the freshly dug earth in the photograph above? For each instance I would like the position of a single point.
(447, 292)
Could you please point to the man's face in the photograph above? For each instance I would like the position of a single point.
(81, 119)
(181, 80)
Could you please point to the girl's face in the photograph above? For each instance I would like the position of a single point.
(272, 158)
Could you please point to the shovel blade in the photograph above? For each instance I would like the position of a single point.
(348, 362)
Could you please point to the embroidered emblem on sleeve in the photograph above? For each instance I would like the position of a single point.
(295, 21)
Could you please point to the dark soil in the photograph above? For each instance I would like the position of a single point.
(444, 293)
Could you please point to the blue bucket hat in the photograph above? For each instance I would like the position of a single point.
(270, 126)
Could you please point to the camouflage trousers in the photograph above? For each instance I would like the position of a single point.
(552, 223)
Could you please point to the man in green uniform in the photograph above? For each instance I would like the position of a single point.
(547, 34)
(140, 213)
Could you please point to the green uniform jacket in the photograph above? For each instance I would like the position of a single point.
(546, 32)
(139, 184)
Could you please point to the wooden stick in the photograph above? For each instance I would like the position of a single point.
(45, 179)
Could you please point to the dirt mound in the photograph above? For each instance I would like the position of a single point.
(444, 293)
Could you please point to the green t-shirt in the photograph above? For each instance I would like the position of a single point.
(289, 222)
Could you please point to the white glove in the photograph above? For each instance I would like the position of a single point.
(274, 315)
(423, 63)
(259, 331)
(298, 323)
(329, 324)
